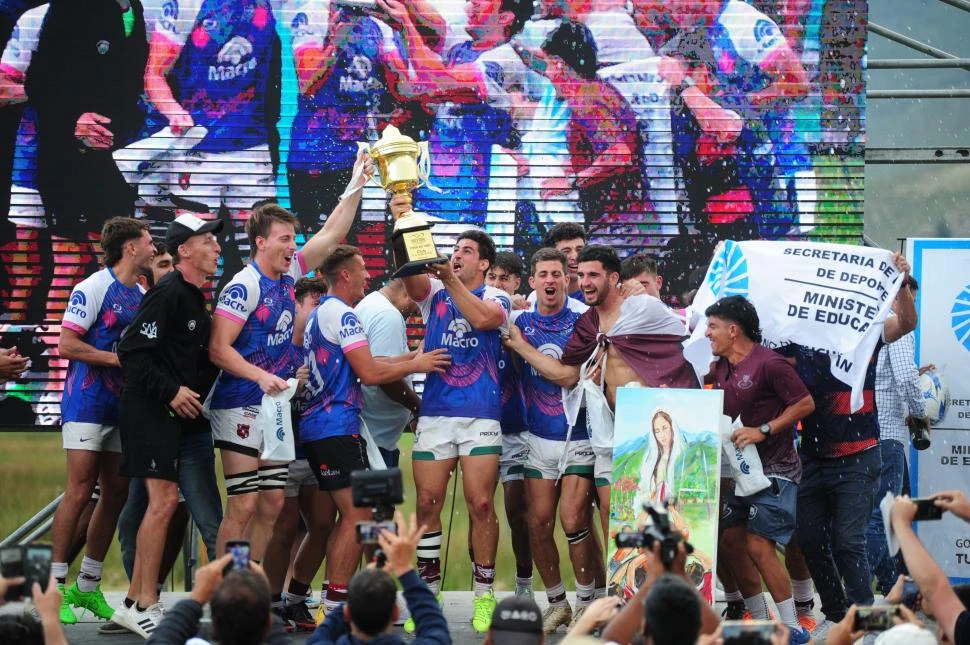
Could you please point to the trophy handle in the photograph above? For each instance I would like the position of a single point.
(424, 166)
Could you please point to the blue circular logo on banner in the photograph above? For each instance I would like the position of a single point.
(729, 273)
(960, 318)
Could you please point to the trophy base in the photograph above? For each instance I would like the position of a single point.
(416, 268)
(413, 247)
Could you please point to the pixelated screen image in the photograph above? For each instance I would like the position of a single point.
(660, 126)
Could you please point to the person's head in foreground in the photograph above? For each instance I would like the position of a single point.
(241, 609)
(516, 621)
(732, 321)
(371, 608)
(671, 612)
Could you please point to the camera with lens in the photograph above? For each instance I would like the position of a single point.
(659, 530)
(380, 491)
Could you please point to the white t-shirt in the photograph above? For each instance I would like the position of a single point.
(386, 333)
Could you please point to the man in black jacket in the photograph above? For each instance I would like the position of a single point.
(164, 353)
(84, 82)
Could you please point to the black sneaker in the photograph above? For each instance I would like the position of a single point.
(298, 617)
(734, 610)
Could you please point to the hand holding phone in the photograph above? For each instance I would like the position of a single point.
(876, 618)
(37, 565)
(240, 555)
(926, 509)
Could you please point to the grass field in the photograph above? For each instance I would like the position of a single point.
(32, 474)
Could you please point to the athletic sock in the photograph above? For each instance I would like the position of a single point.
(429, 560)
(557, 595)
(59, 571)
(484, 577)
(757, 606)
(90, 575)
(801, 590)
(786, 613)
(129, 602)
(733, 596)
(584, 594)
(523, 584)
(276, 600)
(336, 594)
(600, 592)
(298, 588)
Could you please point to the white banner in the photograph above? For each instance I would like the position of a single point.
(942, 268)
(830, 297)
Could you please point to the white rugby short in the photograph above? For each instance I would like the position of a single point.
(214, 178)
(237, 429)
(515, 455)
(91, 436)
(545, 455)
(448, 437)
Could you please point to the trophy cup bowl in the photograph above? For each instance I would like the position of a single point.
(398, 158)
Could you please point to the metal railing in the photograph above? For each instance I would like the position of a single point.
(40, 524)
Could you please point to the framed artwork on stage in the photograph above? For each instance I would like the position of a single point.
(666, 452)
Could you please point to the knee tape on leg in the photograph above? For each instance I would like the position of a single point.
(578, 536)
(273, 477)
(429, 545)
(96, 493)
(242, 483)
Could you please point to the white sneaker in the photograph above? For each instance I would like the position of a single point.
(144, 623)
(117, 623)
(820, 632)
(402, 610)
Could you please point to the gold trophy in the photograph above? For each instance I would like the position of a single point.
(402, 166)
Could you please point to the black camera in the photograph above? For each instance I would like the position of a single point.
(658, 530)
(379, 490)
(919, 432)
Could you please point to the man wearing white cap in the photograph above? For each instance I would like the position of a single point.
(163, 353)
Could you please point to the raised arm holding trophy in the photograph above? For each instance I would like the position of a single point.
(402, 165)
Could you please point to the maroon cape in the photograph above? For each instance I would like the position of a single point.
(657, 358)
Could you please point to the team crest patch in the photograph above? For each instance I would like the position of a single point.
(103, 47)
(191, 325)
(752, 512)
(745, 382)
(242, 430)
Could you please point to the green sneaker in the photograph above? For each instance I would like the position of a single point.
(482, 618)
(67, 614)
(92, 601)
(409, 625)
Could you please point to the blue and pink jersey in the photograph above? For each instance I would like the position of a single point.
(333, 390)
(470, 386)
(99, 310)
(549, 334)
(266, 310)
(221, 75)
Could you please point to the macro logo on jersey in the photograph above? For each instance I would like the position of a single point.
(284, 330)
(350, 325)
(459, 334)
(77, 304)
(170, 13)
(548, 349)
(234, 297)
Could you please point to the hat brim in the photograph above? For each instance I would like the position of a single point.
(174, 239)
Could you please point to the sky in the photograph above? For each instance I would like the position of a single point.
(918, 200)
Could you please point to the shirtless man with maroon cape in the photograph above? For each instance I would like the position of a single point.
(621, 341)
